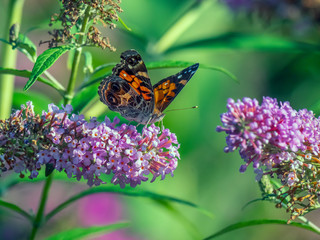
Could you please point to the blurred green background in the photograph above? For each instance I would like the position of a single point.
(206, 175)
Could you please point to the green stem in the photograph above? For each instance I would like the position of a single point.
(9, 59)
(40, 214)
(310, 224)
(76, 59)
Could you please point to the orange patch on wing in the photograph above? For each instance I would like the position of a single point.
(183, 82)
(131, 80)
(134, 82)
(135, 85)
(158, 94)
(144, 89)
(124, 75)
(146, 96)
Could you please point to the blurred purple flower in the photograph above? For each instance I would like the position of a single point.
(85, 149)
(302, 13)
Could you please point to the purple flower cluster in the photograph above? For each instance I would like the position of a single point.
(85, 149)
(302, 13)
(269, 134)
(278, 141)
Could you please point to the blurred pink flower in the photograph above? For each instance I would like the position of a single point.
(104, 209)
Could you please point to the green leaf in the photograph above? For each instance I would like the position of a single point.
(155, 65)
(16, 209)
(127, 192)
(27, 74)
(188, 225)
(261, 222)
(85, 233)
(180, 26)
(84, 97)
(248, 42)
(27, 47)
(183, 64)
(45, 61)
(103, 67)
(39, 100)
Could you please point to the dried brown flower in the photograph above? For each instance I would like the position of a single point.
(72, 16)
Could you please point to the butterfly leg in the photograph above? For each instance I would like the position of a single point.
(161, 125)
(145, 126)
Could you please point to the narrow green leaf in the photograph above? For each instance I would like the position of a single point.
(155, 65)
(5, 41)
(27, 74)
(85, 233)
(16, 209)
(181, 25)
(26, 46)
(261, 222)
(103, 67)
(127, 192)
(188, 225)
(124, 25)
(45, 61)
(248, 42)
(183, 64)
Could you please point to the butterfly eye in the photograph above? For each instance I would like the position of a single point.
(115, 87)
(112, 99)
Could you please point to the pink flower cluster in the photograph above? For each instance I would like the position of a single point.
(85, 149)
(269, 134)
(279, 142)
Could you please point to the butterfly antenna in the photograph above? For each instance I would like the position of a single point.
(178, 109)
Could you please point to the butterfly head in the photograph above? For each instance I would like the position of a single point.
(132, 58)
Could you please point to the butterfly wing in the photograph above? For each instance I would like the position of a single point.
(120, 97)
(167, 89)
(128, 90)
(133, 70)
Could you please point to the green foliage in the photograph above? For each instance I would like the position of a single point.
(45, 61)
(81, 233)
(264, 60)
(261, 222)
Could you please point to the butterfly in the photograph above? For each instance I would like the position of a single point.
(129, 90)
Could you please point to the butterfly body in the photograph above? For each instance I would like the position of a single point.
(129, 90)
